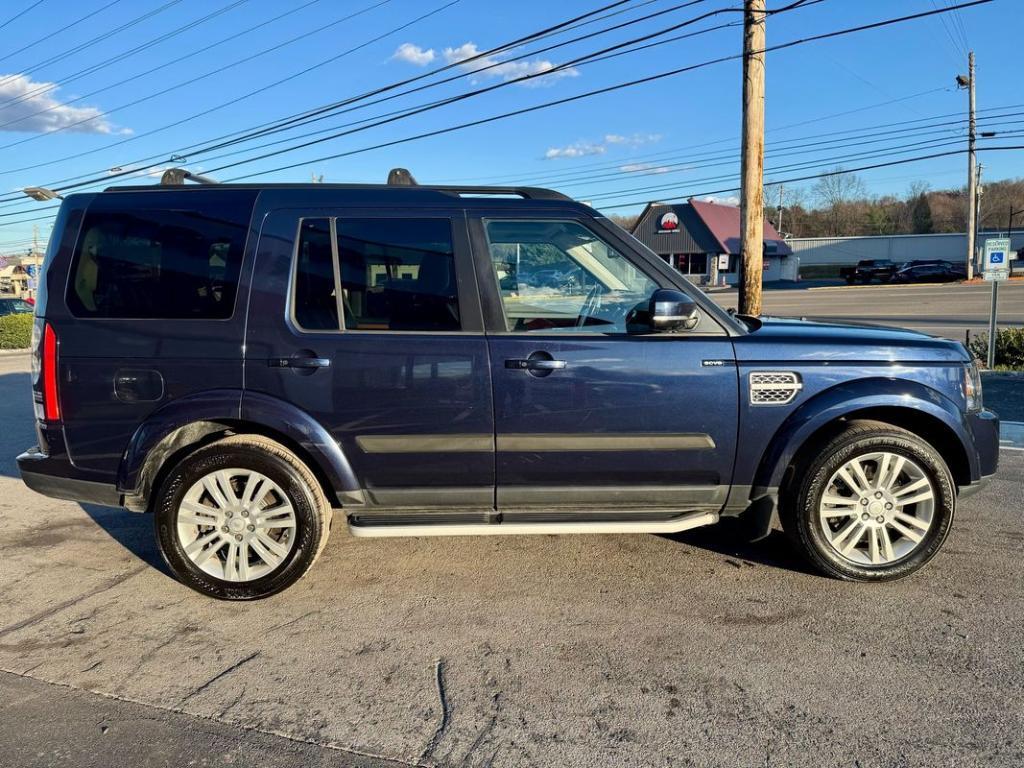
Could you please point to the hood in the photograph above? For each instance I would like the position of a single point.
(781, 339)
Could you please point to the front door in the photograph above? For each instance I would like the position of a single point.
(592, 410)
(368, 320)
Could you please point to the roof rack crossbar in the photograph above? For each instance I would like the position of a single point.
(176, 177)
(528, 193)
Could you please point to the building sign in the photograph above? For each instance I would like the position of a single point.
(997, 258)
(668, 222)
(723, 262)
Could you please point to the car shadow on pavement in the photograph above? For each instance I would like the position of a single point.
(132, 530)
(731, 539)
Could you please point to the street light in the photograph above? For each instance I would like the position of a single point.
(42, 194)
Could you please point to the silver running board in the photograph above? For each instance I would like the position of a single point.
(675, 525)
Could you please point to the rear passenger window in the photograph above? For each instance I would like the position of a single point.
(398, 274)
(166, 264)
(316, 302)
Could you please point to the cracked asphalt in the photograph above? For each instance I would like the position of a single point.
(692, 650)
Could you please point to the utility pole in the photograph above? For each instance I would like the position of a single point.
(778, 217)
(752, 160)
(972, 181)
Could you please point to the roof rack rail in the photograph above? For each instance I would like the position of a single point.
(529, 193)
(176, 177)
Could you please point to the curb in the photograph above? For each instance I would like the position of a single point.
(881, 285)
(14, 352)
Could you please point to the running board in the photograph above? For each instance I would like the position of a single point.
(675, 525)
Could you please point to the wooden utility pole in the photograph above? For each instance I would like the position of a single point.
(972, 179)
(752, 161)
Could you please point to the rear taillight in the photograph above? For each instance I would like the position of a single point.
(51, 402)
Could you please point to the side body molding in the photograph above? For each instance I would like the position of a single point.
(189, 419)
(847, 399)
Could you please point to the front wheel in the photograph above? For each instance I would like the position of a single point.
(873, 504)
(241, 518)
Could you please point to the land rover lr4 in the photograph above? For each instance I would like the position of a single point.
(246, 361)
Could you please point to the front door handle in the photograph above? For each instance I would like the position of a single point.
(536, 364)
(299, 362)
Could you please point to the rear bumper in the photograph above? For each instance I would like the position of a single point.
(57, 478)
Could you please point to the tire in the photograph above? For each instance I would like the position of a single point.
(820, 506)
(280, 533)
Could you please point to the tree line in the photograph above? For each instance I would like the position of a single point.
(840, 205)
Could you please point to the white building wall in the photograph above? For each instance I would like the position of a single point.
(849, 250)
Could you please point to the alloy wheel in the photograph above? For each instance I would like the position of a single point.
(877, 508)
(236, 525)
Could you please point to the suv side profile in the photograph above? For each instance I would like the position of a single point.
(246, 362)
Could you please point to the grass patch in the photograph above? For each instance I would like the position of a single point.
(16, 331)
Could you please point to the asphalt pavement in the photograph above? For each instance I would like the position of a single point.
(948, 310)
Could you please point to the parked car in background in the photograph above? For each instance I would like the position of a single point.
(11, 306)
(932, 272)
(246, 361)
(868, 270)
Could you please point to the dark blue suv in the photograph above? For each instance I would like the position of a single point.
(245, 361)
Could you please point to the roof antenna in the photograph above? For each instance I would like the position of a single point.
(400, 177)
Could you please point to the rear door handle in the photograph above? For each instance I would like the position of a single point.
(299, 362)
(536, 364)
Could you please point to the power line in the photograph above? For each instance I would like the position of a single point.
(88, 43)
(578, 97)
(574, 22)
(193, 80)
(118, 58)
(837, 172)
(51, 35)
(19, 14)
(178, 60)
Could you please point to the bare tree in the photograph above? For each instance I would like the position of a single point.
(837, 192)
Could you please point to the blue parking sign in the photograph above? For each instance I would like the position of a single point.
(997, 257)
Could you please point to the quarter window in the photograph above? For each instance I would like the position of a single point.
(316, 302)
(166, 264)
(558, 276)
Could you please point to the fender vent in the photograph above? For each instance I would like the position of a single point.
(774, 387)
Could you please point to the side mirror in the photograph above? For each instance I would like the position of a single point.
(673, 310)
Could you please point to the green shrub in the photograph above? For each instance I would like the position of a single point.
(15, 331)
(1009, 348)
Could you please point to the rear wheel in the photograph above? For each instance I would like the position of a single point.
(875, 503)
(241, 518)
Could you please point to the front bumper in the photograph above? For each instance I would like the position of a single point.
(984, 427)
(59, 479)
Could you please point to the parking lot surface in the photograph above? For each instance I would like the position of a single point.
(690, 650)
(942, 310)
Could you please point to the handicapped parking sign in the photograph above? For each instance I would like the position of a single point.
(995, 262)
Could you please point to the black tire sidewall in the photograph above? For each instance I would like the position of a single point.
(308, 525)
(820, 470)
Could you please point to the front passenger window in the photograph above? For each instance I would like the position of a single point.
(559, 277)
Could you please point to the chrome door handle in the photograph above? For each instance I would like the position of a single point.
(299, 362)
(536, 364)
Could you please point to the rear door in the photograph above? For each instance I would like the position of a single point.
(369, 321)
(591, 411)
(151, 312)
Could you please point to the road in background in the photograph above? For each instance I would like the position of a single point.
(941, 310)
(588, 651)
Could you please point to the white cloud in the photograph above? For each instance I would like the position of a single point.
(636, 140)
(29, 97)
(507, 70)
(579, 149)
(413, 54)
(639, 167)
(730, 200)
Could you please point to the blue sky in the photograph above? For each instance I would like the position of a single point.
(661, 140)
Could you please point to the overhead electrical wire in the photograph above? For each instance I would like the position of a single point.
(569, 24)
(595, 92)
(19, 14)
(115, 59)
(50, 35)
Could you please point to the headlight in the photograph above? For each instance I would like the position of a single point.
(972, 387)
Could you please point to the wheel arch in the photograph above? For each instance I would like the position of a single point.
(909, 405)
(192, 422)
